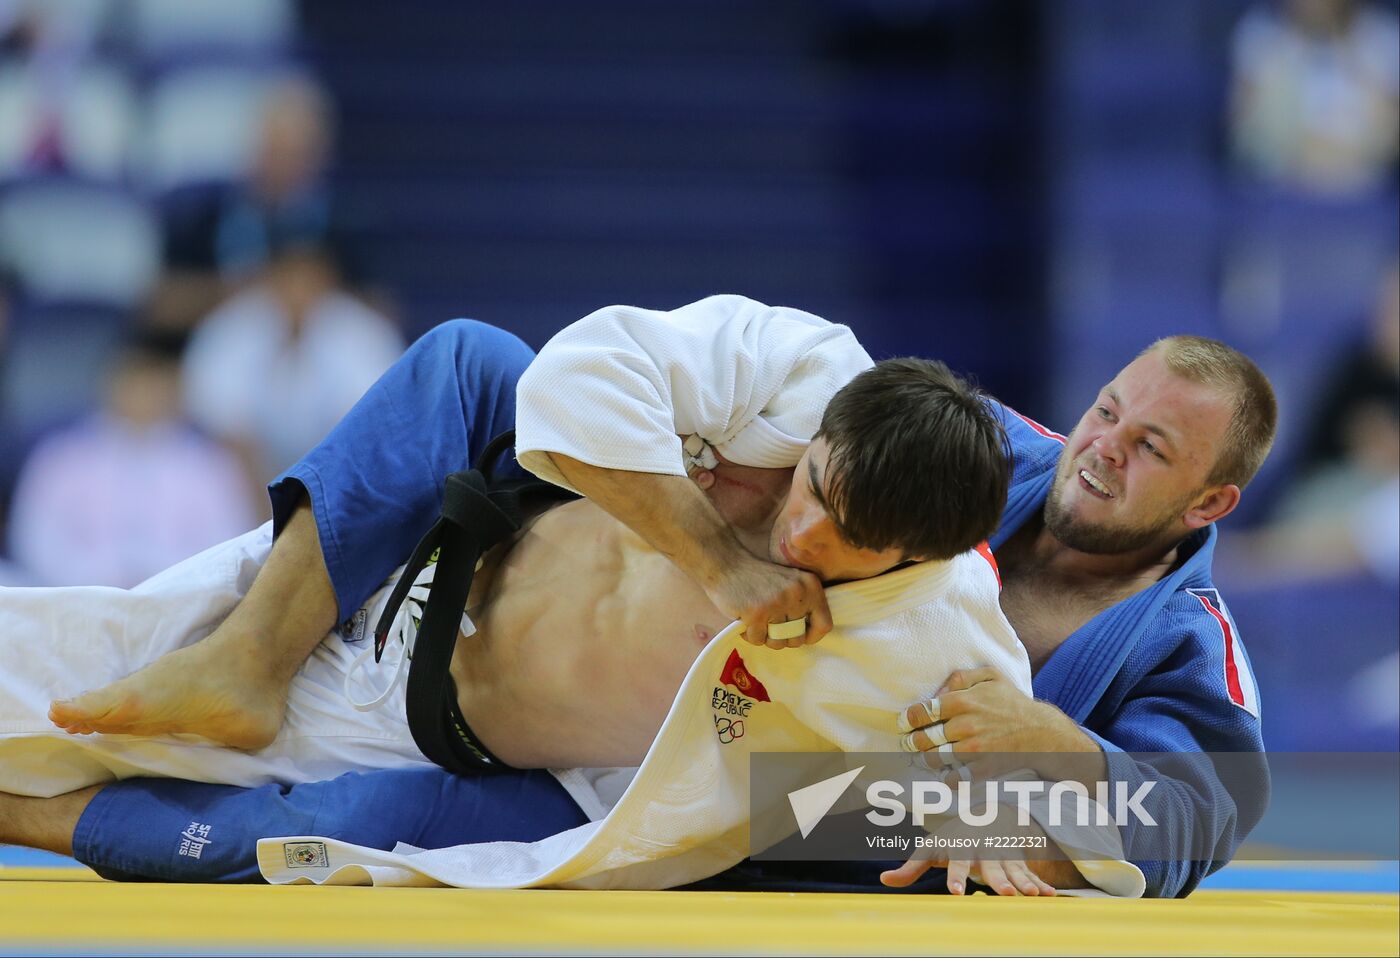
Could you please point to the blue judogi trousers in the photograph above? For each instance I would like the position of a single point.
(160, 829)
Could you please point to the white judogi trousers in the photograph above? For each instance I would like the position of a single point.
(58, 642)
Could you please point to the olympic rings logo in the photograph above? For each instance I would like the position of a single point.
(728, 729)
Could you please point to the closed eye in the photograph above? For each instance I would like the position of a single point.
(814, 485)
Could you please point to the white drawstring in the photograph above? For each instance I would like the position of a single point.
(405, 629)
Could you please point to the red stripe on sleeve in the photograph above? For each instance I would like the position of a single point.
(1047, 433)
(1232, 670)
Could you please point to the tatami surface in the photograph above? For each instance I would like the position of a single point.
(59, 909)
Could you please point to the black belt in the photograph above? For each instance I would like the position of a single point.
(477, 513)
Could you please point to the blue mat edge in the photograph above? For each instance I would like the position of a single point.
(1378, 876)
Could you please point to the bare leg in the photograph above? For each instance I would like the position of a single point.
(45, 823)
(232, 686)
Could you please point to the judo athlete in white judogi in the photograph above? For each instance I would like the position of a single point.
(585, 651)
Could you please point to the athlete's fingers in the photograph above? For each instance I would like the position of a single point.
(935, 758)
(779, 606)
(1027, 880)
(958, 870)
(755, 632)
(908, 873)
(788, 634)
(919, 715)
(994, 877)
(818, 614)
(934, 736)
(1019, 877)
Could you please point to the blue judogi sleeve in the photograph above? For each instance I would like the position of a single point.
(1175, 701)
(1205, 819)
(376, 482)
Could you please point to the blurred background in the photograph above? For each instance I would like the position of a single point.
(220, 222)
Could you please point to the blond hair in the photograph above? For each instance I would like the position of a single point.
(1254, 417)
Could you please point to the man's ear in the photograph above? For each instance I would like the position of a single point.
(1214, 504)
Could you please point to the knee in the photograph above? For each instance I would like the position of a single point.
(378, 809)
(485, 350)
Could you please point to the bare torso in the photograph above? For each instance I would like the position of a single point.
(1043, 618)
(584, 634)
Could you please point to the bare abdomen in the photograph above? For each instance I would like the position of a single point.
(584, 636)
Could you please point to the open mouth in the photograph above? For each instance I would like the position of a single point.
(1094, 485)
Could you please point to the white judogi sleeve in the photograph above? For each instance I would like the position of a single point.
(618, 388)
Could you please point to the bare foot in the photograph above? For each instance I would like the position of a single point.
(203, 690)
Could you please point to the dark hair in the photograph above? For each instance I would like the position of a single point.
(918, 460)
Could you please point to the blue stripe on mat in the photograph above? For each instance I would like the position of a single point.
(1331, 876)
(14, 857)
(1240, 876)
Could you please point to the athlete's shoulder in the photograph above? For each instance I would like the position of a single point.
(1034, 447)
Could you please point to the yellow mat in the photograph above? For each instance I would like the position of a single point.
(47, 911)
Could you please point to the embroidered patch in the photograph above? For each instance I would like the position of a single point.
(352, 630)
(305, 854)
(735, 673)
(729, 703)
(731, 708)
(728, 729)
(194, 838)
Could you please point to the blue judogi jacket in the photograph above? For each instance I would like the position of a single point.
(1160, 672)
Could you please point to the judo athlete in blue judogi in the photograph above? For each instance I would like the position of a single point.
(1105, 550)
(1160, 670)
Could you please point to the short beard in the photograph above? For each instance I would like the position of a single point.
(1095, 539)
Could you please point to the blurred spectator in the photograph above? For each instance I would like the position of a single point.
(1314, 104)
(53, 39)
(1342, 513)
(1353, 443)
(217, 240)
(131, 489)
(273, 369)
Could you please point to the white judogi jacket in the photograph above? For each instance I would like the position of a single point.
(685, 815)
(619, 389)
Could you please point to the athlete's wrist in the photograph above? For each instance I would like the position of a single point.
(1069, 736)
